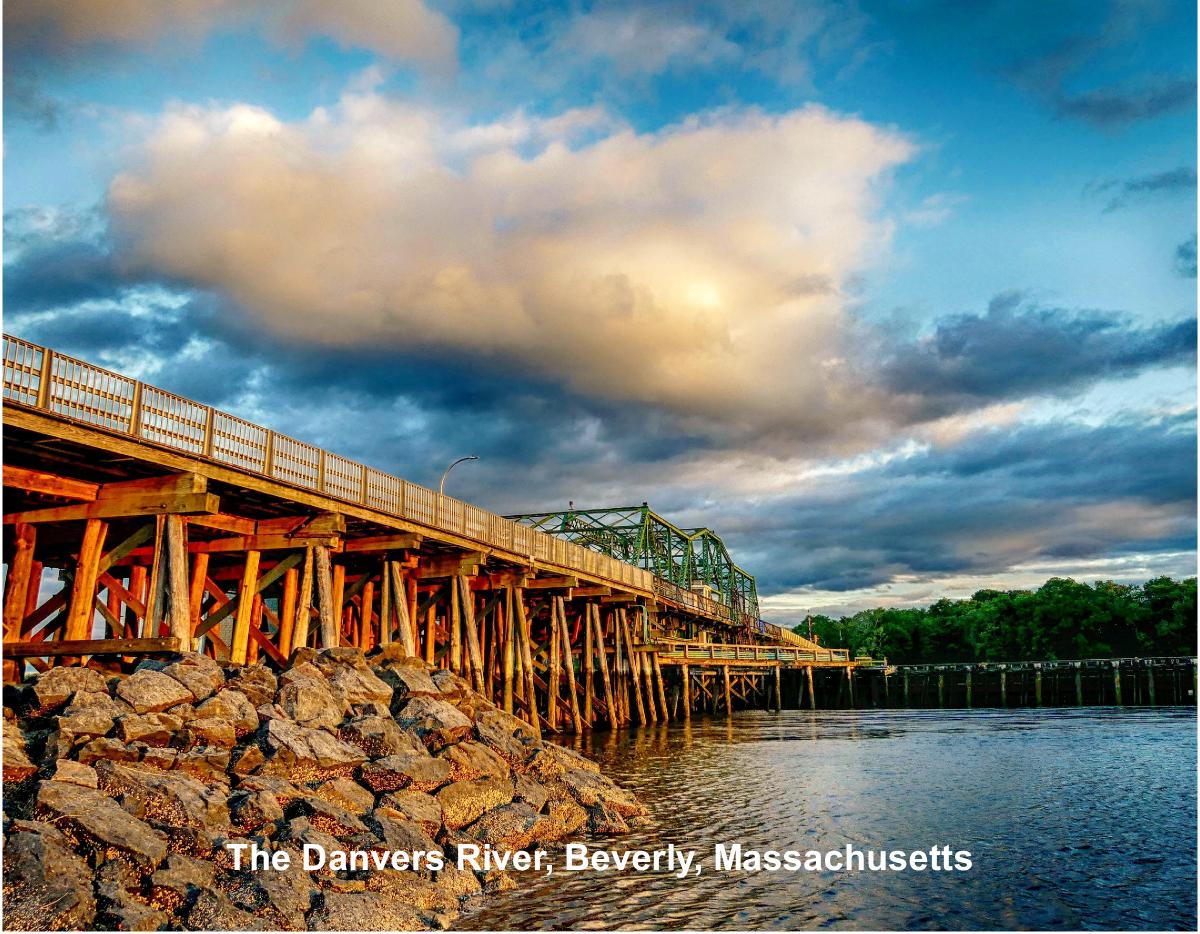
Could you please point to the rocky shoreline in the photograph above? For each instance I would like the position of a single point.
(122, 793)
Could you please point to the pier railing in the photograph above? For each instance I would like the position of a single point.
(718, 652)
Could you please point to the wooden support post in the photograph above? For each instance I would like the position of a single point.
(850, 685)
(474, 653)
(385, 602)
(238, 650)
(19, 582)
(614, 713)
(404, 624)
(812, 695)
(941, 689)
(304, 603)
(81, 609)
(287, 610)
(366, 613)
(1037, 686)
(327, 612)
(662, 691)
(1116, 667)
(1150, 684)
(968, 689)
(569, 663)
(455, 631)
(526, 659)
(728, 698)
(510, 648)
(196, 596)
(178, 592)
(339, 592)
(1078, 686)
(588, 667)
(256, 615)
(554, 674)
(778, 689)
(634, 667)
(687, 691)
(1003, 688)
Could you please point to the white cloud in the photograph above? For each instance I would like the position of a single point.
(406, 30)
(665, 267)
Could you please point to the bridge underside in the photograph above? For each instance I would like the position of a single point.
(117, 548)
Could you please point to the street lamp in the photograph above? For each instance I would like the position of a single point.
(446, 472)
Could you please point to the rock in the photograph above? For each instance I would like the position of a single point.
(460, 883)
(89, 719)
(213, 911)
(365, 911)
(55, 687)
(379, 736)
(149, 691)
(211, 731)
(470, 760)
(207, 763)
(180, 879)
(171, 799)
(416, 770)
(121, 911)
(607, 821)
(407, 681)
(256, 682)
(326, 817)
(410, 888)
(283, 897)
(514, 826)
(156, 757)
(565, 818)
(347, 794)
(75, 773)
(233, 706)
(527, 790)
(107, 748)
(416, 806)
(246, 760)
(201, 675)
(592, 789)
(47, 887)
(509, 737)
(251, 810)
(283, 790)
(309, 702)
(153, 729)
(436, 722)
(17, 767)
(464, 802)
(448, 683)
(361, 686)
(396, 833)
(566, 758)
(497, 880)
(309, 755)
(88, 817)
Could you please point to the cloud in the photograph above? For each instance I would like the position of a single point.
(1185, 258)
(405, 30)
(654, 268)
(1018, 348)
(1118, 106)
(1123, 192)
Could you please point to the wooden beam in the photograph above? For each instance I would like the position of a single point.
(132, 504)
(450, 566)
(226, 523)
(37, 481)
(324, 579)
(185, 482)
(17, 581)
(92, 647)
(178, 592)
(238, 646)
(383, 543)
(551, 583)
(262, 584)
(590, 592)
(323, 523)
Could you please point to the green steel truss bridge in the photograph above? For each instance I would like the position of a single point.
(693, 559)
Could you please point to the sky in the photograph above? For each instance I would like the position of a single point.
(899, 297)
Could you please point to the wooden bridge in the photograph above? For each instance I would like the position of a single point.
(140, 522)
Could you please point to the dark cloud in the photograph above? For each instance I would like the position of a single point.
(1018, 349)
(1116, 106)
(1185, 258)
(1123, 192)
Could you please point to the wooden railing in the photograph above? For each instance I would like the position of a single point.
(717, 652)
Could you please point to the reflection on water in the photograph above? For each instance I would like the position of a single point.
(1076, 819)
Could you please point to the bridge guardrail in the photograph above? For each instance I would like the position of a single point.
(697, 651)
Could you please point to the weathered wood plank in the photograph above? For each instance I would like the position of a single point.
(63, 647)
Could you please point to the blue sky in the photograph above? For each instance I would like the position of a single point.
(898, 296)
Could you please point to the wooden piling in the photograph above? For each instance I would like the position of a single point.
(245, 608)
(812, 695)
(510, 649)
(687, 691)
(588, 666)
(569, 663)
(662, 691)
(778, 689)
(1117, 683)
(554, 675)
(1004, 688)
(614, 714)
(178, 591)
(968, 689)
(1150, 684)
(728, 697)
(1037, 686)
(467, 612)
(326, 612)
(526, 659)
(456, 657)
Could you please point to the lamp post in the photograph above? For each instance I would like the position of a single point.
(446, 472)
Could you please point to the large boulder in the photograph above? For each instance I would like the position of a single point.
(470, 760)
(171, 799)
(303, 754)
(232, 706)
(513, 826)
(201, 675)
(437, 723)
(379, 736)
(149, 691)
(55, 687)
(17, 766)
(464, 802)
(365, 911)
(93, 820)
(417, 806)
(416, 770)
(47, 886)
(310, 702)
(510, 738)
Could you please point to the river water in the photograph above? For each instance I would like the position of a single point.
(1075, 818)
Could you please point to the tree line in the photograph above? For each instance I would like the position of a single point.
(1062, 619)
